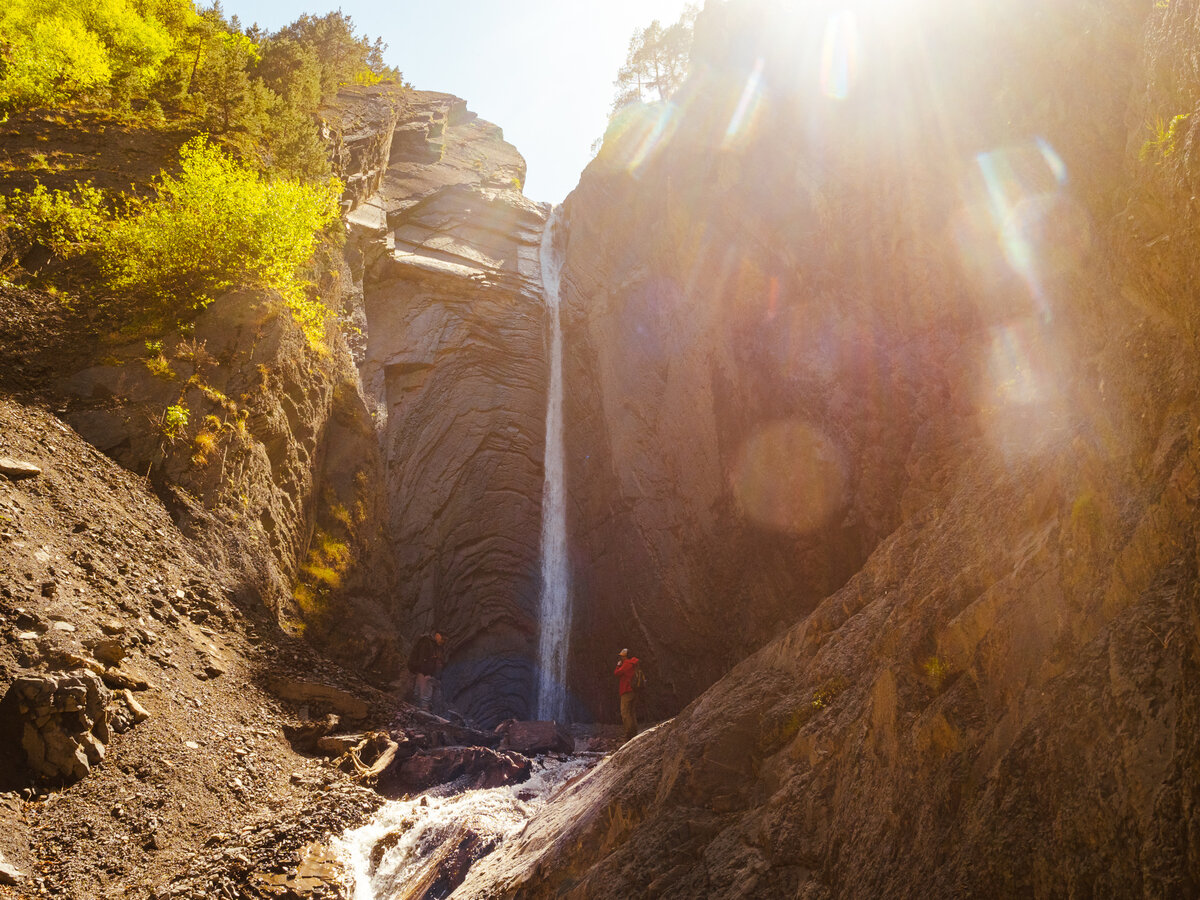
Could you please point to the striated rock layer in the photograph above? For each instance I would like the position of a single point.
(955, 273)
(455, 368)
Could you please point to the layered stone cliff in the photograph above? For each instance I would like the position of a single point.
(455, 368)
(922, 327)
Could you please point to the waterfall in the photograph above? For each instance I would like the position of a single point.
(554, 605)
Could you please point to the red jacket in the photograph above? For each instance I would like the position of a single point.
(625, 673)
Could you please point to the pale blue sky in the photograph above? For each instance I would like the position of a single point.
(540, 69)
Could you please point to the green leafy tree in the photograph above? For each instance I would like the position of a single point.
(137, 45)
(66, 223)
(292, 70)
(52, 51)
(657, 61)
(216, 225)
(49, 61)
(292, 146)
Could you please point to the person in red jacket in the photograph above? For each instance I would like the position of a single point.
(625, 666)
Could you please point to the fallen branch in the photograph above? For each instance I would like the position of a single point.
(362, 771)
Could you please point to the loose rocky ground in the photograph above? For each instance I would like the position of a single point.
(88, 554)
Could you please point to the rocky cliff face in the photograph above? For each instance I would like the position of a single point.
(920, 325)
(258, 441)
(455, 369)
(387, 481)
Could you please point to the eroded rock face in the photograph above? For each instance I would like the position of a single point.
(1000, 702)
(455, 368)
(273, 464)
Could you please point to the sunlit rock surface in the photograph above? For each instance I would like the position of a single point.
(454, 363)
(922, 273)
(770, 349)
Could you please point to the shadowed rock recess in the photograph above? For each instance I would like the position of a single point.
(918, 335)
(455, 368)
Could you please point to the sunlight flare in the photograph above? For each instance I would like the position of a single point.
(747, 108)
(790, 476)
(639, 132)
(840, 52)
(1023, 185)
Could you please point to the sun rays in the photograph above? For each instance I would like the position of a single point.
(939, 206)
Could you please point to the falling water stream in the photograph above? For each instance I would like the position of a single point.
(554, 607)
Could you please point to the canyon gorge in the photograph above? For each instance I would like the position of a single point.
(855, 385)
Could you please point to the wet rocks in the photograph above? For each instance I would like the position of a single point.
(476, 767)
(532, 738)
(60, 720)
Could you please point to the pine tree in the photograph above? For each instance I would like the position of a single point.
(657, 61)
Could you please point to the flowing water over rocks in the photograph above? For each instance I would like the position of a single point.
(423, 848)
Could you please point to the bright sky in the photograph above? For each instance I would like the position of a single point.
(540, 69)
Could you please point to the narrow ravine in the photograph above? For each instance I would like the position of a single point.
(554, 608)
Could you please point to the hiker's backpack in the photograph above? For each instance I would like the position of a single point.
(639, 678)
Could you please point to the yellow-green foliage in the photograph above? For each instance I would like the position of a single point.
(156, 360)
(794, 719)
(216, 225)
(203, 445)
(65, 222)
(58, 50)
(1164, 140)
(328, 560)
(174, 421)
(341, 515)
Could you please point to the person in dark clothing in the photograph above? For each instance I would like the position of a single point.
(425, 662)
(624, 672)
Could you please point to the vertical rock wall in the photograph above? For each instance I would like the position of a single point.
(455, 365)
(1002, 701)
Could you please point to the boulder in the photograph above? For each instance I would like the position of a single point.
(305, 737)
(342, 702)
(334, 745)
(16, 469)
(109, 651)
(533, 738)
(476, 767)
(60, 721)
(9, 874)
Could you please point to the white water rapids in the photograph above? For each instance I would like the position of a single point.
(398, 853)
(554, 606)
